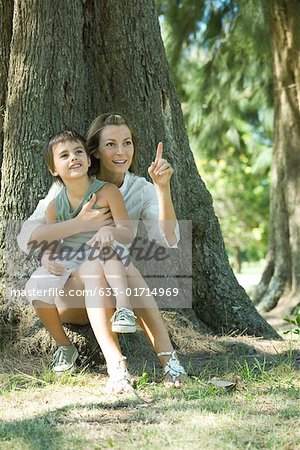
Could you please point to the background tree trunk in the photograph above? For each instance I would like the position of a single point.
(281, 279)
(6, 16)
(68, 57)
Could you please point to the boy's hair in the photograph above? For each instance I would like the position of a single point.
(61, 137)
(102, 121)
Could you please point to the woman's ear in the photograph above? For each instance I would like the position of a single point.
(96, 154)
(89, 161)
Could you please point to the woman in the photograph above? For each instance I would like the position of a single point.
(111, 141)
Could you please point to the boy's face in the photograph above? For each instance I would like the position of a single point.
(70, 161)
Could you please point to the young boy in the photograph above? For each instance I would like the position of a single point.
(67, 160)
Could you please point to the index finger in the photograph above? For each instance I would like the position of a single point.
(159, 151)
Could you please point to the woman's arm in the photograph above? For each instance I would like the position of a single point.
(36, 219)
(161, 173)
(51, 216)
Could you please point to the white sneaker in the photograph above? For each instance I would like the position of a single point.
(123, 321)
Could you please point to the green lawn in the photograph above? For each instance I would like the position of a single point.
(261, 411)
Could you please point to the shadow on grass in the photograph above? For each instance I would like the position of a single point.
(46, 431)
(55, 428)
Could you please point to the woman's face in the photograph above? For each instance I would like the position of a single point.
(115, 149)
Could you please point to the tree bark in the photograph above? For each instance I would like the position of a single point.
(136, 81)
(46, 92)
(6, 15)
(66, 59)
(281, 278)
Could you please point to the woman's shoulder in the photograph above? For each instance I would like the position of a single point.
(55, 189)
(139, 190)
(133, 180)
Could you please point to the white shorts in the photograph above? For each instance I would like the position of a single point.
(44, 286)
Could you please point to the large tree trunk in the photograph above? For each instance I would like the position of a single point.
(46, 91)
(136, 81)
(281, 278)
(124, 66)
(6, 14)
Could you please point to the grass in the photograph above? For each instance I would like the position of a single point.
(41, 411)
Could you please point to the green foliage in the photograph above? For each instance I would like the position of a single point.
(294, 321)
(221, 60)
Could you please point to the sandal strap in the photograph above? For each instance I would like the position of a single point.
(173, 366)
(166, 353)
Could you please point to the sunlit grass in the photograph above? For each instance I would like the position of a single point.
(72, 411)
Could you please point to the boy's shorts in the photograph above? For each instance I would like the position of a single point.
(44, 286)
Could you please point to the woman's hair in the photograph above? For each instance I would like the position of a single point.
(59, 138)
(102, 121)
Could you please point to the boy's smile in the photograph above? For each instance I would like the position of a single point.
(75, 166)
(70, 159)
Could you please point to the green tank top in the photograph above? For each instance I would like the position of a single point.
(64, 212)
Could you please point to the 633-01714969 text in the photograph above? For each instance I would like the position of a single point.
(136, 292)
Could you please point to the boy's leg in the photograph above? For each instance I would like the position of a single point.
(123, 320)
(49, 316)
(66, 353)
(94, 309)
(40, 290)
(41, 280)
(71, 307)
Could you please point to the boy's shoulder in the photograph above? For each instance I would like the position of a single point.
(107, 189)
(51, 205)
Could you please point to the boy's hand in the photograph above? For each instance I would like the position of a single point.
(52, 266)
(160, 170)
(93, 219)
(103, 238)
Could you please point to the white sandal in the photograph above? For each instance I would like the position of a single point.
(119, 379)
(173, 368)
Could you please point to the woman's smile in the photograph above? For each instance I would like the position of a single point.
(119, 162)
(115, 151)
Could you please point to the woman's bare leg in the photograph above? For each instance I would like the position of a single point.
(150, 318)
(98, 310)
(148, 314)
